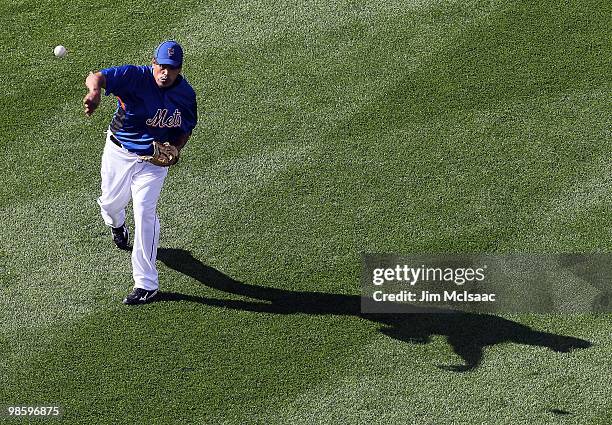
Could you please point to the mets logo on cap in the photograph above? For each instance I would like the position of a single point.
(170, 52)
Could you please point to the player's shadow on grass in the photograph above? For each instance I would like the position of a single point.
(467, 333)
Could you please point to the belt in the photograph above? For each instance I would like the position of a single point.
(115, 141)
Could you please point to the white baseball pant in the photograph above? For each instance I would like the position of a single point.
(125, 176)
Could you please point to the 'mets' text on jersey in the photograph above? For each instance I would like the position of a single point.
(145, 112)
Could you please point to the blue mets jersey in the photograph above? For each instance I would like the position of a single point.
(146, 112)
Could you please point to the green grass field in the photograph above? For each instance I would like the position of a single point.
(327, 129)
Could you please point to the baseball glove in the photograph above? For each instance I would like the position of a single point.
(164, 155)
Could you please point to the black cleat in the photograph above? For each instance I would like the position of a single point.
(121, 237)
(139, 296)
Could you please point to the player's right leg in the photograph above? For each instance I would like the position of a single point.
(116, 172)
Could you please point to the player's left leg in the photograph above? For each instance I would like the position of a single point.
(146, 188)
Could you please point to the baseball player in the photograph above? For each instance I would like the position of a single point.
(156, 113)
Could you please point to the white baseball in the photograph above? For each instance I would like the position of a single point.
(60, 51)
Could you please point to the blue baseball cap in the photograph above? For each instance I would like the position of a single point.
(169, 53)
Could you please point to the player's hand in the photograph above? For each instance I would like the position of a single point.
(91, 102)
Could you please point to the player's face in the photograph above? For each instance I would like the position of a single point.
(165, 75)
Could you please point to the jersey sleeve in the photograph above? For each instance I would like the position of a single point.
(120, 78)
